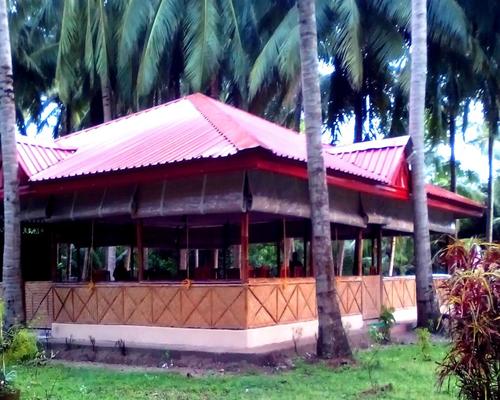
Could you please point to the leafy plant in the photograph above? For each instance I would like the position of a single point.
(92, 343)
(387, 321)
(16, 345)
(424, 343)
(372, 363)
(472, 295)
(121, 346)
(375, 333)
(380, 332)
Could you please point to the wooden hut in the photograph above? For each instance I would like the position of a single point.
(184, 192)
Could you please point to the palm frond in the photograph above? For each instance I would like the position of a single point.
(397, 12)
(346, 40)
(65, 69)
(136, 17)
(289, 56)
(102, 40)
(89, 56)
(448, 24)
(161, 34)
(202, 45)
(385, 43)
(268, 59)
(233, 30)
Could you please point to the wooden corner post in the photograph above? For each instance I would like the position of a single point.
(379, 250)
(244, 247)
(358, 254)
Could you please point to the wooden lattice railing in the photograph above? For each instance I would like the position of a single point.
(260, 302)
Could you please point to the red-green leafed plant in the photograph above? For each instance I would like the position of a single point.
(472, 295)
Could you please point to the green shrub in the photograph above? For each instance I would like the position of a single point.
(16, 345)
(23, 347)
(380, 332)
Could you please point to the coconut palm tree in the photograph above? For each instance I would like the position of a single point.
(332, 340)
(85, 53)
(34, 50)
(484, 57)
(427, 309)
(12, 279)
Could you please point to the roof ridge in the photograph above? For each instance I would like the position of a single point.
(205, 106)
(398, 141)
(46, 145)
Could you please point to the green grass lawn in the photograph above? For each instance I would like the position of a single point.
(401, 366)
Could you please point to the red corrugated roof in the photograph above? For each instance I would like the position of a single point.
(35, 157)
(193, 127)
(380, 157)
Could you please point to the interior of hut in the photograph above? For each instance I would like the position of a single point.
(202, 248)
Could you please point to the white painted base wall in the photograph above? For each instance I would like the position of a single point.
(211, 340)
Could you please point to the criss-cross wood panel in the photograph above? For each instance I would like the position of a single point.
(349, 295)
(399, 292)
(168, 305)
(39, 304)
(277, 301)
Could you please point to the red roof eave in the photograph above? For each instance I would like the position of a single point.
(252, 159)
(448, 201)
(249, 159)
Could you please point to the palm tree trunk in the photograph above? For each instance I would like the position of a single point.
(426, 300)
(108, 116)
(12, 279)
(453, 162)
(297, 113)
(106, 99)
(492, 134)
(332, 340)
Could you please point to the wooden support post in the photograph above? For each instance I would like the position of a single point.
(304, 245)
(379, 250)
(358, 254)
(140, 250)
(373, 267)
(311, 258)
(244, 247)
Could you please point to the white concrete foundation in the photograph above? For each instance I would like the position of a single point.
(406, 314)
(211, 340)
